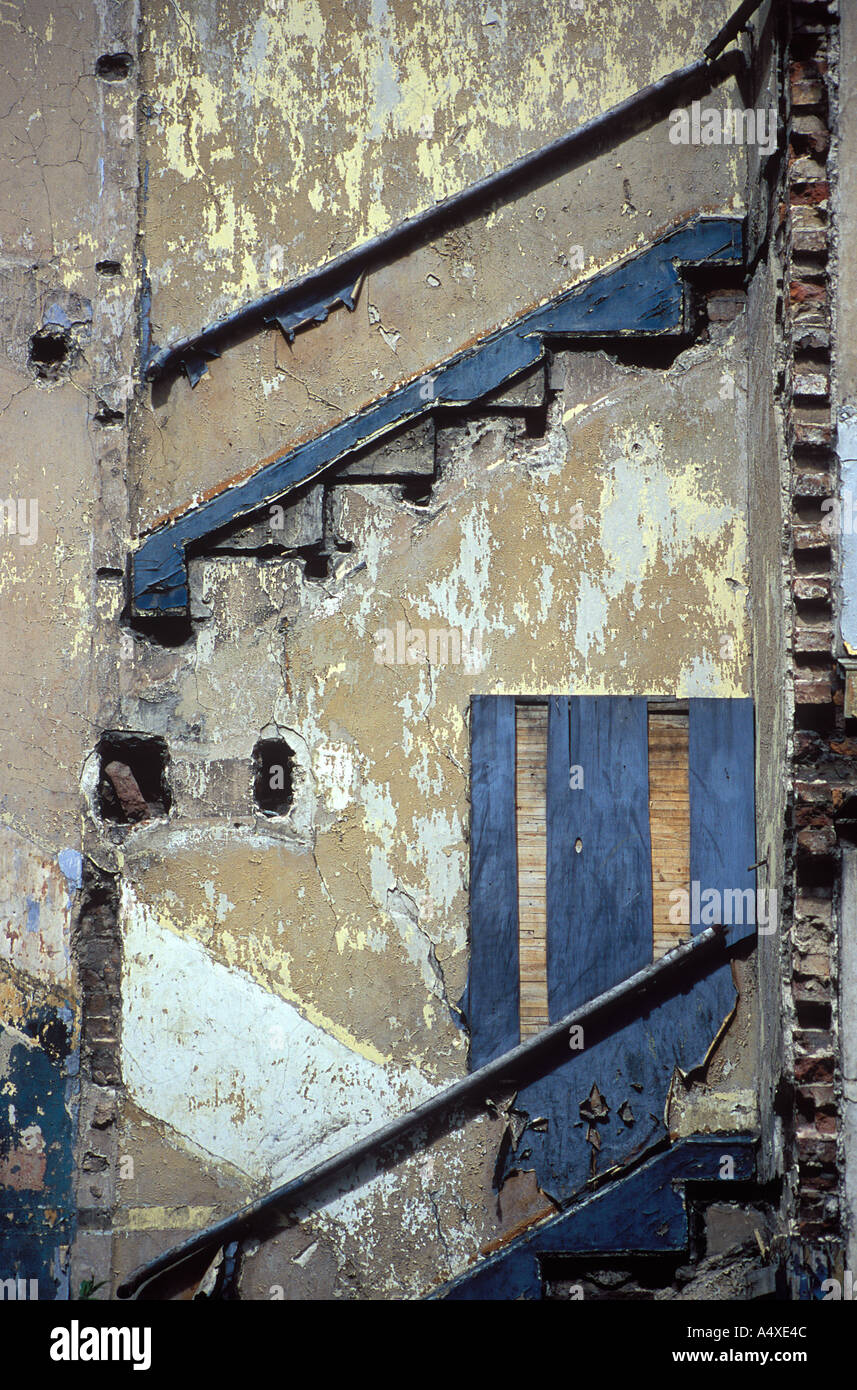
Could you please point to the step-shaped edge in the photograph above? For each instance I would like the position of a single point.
(644, 295)
(641, 1212)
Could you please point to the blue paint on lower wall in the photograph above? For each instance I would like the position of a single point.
(37, 1212)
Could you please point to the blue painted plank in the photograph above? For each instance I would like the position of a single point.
(599, 898)
(600, 931)
(644, 295)
(494, 982)
(722, 816)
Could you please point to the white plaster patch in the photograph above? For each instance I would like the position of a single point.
(238, 1072)
(334, 774)
(407, 1195)
(36, 895)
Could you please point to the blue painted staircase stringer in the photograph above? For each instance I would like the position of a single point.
(644, 295)
(641, 1212)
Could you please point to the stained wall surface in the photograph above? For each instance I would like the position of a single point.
(248, 992)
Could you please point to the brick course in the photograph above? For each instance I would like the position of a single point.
(822, 772)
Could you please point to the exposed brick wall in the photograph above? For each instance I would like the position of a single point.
(822, 770)
(99, 960)
(98, 952)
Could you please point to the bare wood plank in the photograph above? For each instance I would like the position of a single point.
(531, 748)
(669, 820)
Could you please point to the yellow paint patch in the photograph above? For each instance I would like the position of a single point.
(165, 1218)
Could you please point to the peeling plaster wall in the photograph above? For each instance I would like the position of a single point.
(288, 982)
(68, 161)
(348, 119)
(344, 923)
(250, 184)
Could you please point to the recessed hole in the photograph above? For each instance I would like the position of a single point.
(417, 491)
(578, 846)
(316, 563)
(273, 763)
(113, 67)
(132, 785)
(105, 415)
(108, 267)
(49, 353)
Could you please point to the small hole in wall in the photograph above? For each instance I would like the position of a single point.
(417, 491)
(108, 268)
(49, 353)
(132, 783)
(316, 562)
(273, 764)
(113, 67)
(106, 415)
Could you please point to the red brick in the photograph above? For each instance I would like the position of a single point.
(812, 432)
(808, 589)
(811, 338)
(811, 991)
(812, 908)
(802, 69)
(811, 939)
(809, 194)
(814, 1150)
(812, 482)
(810, 132)
(815, 385)
(814, 1069)
(817, 840)
(844, 747)
(810, 242)
(814, 793)
(813, 1180)
(815, 1042)
(811, 536)
(815, 965)
(822, 1097)
(806, 291)
(807, 92)
(127, 790)
(813, 692)
(805, 169)
(813, 638)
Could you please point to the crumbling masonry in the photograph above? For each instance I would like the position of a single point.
(427, 559)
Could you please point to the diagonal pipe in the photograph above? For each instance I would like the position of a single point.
(505, 1068)
(337, 279)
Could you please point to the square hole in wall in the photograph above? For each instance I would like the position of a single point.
(132, 780)
(273, 784)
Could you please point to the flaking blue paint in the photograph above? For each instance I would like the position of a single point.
(71, 865)
(644, 1212)
(37, 1215)
(599, 919)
